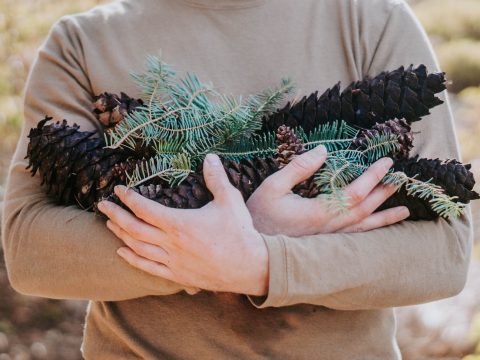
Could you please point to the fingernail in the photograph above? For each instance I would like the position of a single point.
(387, 163)
(121, 251)
(321, 150)
(405, 212)
(102, 206)
(119, 188)
(213, 160)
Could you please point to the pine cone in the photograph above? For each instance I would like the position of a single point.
(193, 193)
(289, 145)
(110, 108)
(77, 170)
(73, 164)
(399, 127)
(451, 175)
(404, 94)
(120, 170)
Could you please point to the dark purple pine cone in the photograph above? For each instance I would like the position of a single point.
(403, 93)
(398, 127)
(73, 164)
(111, 109)
(455, 178)
(193, 193)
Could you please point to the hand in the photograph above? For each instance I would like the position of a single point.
(276, 210)
(213, 248)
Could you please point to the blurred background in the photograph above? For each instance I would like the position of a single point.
(34, 328)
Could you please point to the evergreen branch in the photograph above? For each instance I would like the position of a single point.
(125, 132)
(162, 147)
(261, 146)
(267, 102)
(334, 136)
(380, 145)
(172, 169)
(444, 205)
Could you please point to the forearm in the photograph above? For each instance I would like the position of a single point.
(56, 251)
(64, 252)
(406, 263)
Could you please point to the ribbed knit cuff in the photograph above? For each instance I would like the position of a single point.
(278, 274)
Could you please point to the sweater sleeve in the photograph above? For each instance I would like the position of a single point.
(406, 263)
(56, 251)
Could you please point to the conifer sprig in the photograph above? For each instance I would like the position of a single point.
(173, 169)
(342, 167)
(184, 119)
(444, 205)
(186, 116)
(335, 136)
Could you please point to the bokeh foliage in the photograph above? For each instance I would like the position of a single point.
(23, 26)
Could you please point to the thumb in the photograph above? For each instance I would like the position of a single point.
(300, 168)
(216, 178)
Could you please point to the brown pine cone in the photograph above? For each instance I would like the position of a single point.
(193, 193)
(73, 164)
(403, 93)
(455, 178)
(398, 126)
(110, 108)
(289, 145)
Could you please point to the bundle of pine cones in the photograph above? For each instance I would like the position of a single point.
(77, 169)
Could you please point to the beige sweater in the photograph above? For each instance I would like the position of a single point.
(330, 296)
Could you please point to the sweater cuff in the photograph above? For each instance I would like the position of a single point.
(278, 274)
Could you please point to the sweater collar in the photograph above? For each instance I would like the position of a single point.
(224, 4)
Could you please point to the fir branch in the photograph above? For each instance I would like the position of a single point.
(261, 146)
(185, 119)
(267, 102)
(380, 146)
(335, 136)
(164, 148)
(444, 205)
(172, 169)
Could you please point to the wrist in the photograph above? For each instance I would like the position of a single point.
(258, 267)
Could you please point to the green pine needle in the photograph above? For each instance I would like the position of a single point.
(184, 119)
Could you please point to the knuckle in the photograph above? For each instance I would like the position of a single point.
(357, 229)
(134, 260)
(174, 225)
(362, 212)
(135, 233)
(235, 195)
(225, 188)
(355, 196)
(137, 247)
(131, 228)
(132, 200)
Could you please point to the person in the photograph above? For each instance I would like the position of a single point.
(269, 279)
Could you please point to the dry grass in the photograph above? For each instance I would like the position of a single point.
(454, 26)
(460, 59)
(468, 120)
(23, 26)
(450, 19)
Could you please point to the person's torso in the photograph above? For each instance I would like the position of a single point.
(242, 51)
